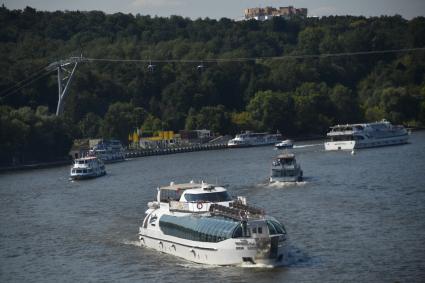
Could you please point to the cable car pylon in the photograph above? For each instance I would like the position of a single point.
(65, 75)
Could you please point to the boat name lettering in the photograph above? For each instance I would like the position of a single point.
(244, 243)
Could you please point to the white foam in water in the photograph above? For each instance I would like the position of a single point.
(197, 265)
(307, 145)
(132, 243)
(258, 265)
(286, 184)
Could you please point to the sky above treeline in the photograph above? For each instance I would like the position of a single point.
(233, 9)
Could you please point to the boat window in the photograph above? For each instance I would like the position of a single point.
(209, 197)
(204, 229)
(275, 227)
(169, 195)
(260, 230)
(254, 230)
(272, 229)
(238, 233)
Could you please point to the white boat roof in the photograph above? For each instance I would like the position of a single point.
(86, 158)
(185, 186)
(214, 189)
(383, 121)
(286, 156)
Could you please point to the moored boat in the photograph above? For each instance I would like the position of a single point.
(87, 167)
(108, 151)
(254, 139)
(201, 223)
(355, 136)
(286, 169)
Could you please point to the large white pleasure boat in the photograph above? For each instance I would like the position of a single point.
(354, 136)
(202, 223)
(108, 151)
(254, 139)
(87, 167)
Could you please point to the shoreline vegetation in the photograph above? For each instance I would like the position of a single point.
(244, 89)
(143, 153)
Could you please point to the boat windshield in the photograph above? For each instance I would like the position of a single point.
(275, 227)
(208, 197)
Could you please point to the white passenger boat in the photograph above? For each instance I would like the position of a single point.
(254, 139)
(108, 151)
(354, 136)
(286, 169)
(203, 224)
(87, 167)
(285, 144)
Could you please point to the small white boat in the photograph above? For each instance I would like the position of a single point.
(87, 167)
(285, 144)
(203, 224)
(355, 136)
(286, 169)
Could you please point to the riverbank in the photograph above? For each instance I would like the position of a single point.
(38, 165)
(135, 153)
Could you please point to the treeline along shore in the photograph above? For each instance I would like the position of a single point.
(221, 75)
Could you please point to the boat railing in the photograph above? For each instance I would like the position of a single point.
(340, 132)
(198, 207)
(179, 206)
(250, 208)
(236, 211)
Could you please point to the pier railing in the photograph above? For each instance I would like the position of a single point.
(173, 150)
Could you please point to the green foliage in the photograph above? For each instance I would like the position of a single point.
(214, 118)
(28, 135)
(297, 96)
(121, 119)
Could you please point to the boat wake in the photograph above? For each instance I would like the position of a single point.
(307, 145)
(197, 265)
(259, 265)
(286, 184)
(132, 243)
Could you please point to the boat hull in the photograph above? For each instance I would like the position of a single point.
(87, 176)
(284, 146)
(286, 179)
(227, 252)
(350, 145)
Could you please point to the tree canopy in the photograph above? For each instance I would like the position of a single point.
(296, 95)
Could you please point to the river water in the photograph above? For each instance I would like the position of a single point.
(357, 218)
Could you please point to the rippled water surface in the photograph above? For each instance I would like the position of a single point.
(358, 218)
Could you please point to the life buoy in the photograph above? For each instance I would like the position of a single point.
(199, 205)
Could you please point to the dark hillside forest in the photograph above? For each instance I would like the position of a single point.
(299, 96)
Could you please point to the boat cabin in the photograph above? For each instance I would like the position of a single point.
(287, 159)
(193, 197)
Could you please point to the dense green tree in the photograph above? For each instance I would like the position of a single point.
(273, 110)
(120, 120)
(28, 135)
(296, 95)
